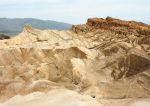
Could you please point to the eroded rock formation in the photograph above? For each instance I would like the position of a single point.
(103, 59)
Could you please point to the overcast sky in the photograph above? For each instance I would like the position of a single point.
(76, 11)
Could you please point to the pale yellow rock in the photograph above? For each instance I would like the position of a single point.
(57, 97)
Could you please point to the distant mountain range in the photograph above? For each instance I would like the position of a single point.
(15, 26)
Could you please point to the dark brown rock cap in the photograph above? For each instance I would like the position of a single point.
(3, 36)
(113, 24)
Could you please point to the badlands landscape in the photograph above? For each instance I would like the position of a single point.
(105, 62)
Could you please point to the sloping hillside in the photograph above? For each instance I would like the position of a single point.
(14, 26)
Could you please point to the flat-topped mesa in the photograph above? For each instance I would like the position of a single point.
(114, 25)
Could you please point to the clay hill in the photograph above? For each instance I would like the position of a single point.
(105, 62)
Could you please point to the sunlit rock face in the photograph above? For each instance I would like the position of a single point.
(90, 65)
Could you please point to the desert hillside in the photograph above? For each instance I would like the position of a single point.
(105, 62)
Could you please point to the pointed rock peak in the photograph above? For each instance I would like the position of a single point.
(28, 28)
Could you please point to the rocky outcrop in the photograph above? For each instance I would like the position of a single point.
(2, 36)
(114, 25)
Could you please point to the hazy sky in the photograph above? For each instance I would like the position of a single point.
(76, 11)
